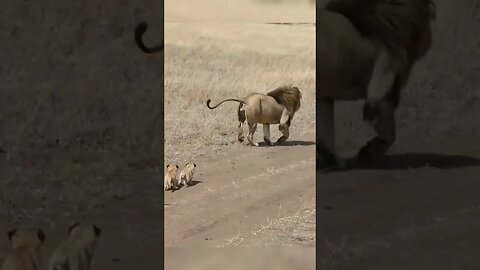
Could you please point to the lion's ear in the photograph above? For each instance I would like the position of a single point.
(176, 166)
(168, 165)
(194, 165)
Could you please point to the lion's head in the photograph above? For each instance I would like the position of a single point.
(289, 96)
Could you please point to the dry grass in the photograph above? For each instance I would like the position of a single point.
(220, 61)
(297, 230)
(240, 11)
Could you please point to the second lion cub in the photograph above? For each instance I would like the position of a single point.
(77, 251)
(186, 175)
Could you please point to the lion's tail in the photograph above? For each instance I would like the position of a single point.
(228, 99)
(139, 31)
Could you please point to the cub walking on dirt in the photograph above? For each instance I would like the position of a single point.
(77, 251)
(186, 175)
(26, 246)
(170, 180)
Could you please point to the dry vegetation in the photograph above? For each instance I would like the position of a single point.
(220, 61)
(80, 123)
(240, 11)
(297, 230)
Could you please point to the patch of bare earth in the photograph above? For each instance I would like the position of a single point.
(287, 231)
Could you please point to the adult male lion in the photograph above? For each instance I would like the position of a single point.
(366, 50)
(276, 107)
(139, 31)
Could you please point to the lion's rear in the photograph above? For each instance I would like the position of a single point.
(347, 58)
(263, 109)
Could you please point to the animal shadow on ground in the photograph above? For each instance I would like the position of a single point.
(288, 143)
(413, 161)
(192, 183)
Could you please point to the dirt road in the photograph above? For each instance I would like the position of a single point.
(420, 207)
(412, 216)
(238, 195)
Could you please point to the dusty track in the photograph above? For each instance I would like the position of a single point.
(236, 196)
(401, 217)
(418, 208)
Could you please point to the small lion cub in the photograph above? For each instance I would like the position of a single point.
(170, 179)
(77, 251)
(186, 175)
(26, 246)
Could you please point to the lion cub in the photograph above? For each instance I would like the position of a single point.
(186, 175)
(77, 251)
(26, 246)
(170, 179)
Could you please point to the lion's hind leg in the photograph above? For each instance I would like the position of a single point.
(266, 134)
(252, 127)
(240, 136)
(241, 120)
